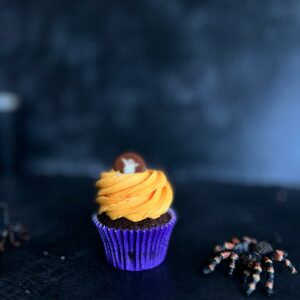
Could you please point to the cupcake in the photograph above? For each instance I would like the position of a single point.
(134, 220)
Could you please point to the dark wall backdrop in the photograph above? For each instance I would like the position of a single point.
(205, 89)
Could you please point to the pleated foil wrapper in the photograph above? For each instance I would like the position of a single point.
(136, 250)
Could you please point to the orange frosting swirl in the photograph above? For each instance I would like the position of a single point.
(134, 196)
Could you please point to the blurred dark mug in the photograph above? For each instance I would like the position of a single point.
(9, 108)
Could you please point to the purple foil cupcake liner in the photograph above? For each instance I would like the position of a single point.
(136, 250)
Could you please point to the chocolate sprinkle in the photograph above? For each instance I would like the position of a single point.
(123, 223)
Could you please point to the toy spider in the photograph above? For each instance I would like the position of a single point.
(254, 256)
(13, 234)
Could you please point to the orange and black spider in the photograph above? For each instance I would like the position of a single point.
(254, 257)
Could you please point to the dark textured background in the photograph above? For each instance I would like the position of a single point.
(205, 89)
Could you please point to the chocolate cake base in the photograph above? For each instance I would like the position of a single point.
(123, 223)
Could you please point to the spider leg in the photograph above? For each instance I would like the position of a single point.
(224, 247)
(215, 261)
(227, 245)
(249, 240)
(281, 256)
(255, 278)
(289, 265)
(233, 258)
(270, 275)
(247, 273)
(235, 240)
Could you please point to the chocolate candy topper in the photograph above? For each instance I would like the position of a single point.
(129, 162)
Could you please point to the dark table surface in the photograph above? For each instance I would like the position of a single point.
(65, 260)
